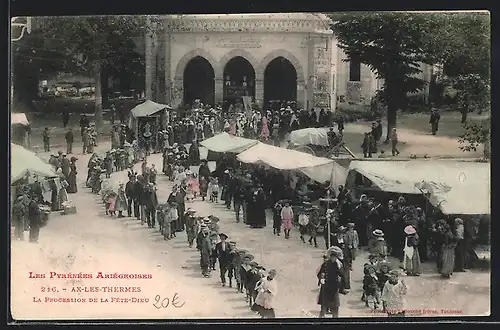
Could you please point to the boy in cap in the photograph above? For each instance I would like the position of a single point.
(252, 278)
(222, 253)
(244, 272)
(233, 253)
(372, 262)
(214, 237)
(370, 286)
(383, 274)
(214, 224)
(351, 240)
(160, 216)
(238, 262)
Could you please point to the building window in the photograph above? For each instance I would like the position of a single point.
(354, 70)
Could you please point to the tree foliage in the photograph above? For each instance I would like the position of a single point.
(86, 39)
(476, 135)
(391, 44)
(91, 45)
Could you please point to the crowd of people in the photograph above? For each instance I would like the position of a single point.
(396, 228)
(30, 208)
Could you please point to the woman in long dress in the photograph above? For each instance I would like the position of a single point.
(286, 219)
(411, 255)
(121, 201)
(264, 133)
(448, 252)
(54, 200)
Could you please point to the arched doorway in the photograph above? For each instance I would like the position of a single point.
(280, 82)
(199, 81)
(239, 80)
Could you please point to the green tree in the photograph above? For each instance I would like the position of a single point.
(461, 42)
(390, 43)
(95, 45)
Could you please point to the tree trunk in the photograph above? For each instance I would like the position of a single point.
(98, 96)
(105, 87)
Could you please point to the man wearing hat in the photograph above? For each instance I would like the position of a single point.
(222, 252)
(151, 204)
(132, 193)
(65, 165)
(19, 214)
(328, 297)
(34, 218)
(53, 161)
(214, 237)
(190, 226)
(204, 245)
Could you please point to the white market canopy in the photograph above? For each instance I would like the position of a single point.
(225, 142)
(148, 109)
(314, 136)
(19, 119)
(317, 168)
(25, 162)
(455, 187)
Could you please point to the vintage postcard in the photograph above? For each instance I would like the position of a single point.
(245, 166)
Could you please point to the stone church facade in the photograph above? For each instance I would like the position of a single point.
(235, 54)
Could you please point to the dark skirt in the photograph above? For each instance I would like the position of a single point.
(328, 299)
(266, 313)
(260, 216)
(72, 187)
(277, 222)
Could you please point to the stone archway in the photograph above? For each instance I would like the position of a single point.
(198, 81)
(178, 92)
(287, 55)
(280, 83)
(181, 66)
(300, 78)
(238, 53)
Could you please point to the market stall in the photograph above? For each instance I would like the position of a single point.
(450, 183)
(147, 118)
(225, 142)
(453, 188)
(20, 129)
(26, 164)
(28, 169)
(316, 168)
(315, 141)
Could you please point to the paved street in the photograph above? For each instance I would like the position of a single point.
(90, 241)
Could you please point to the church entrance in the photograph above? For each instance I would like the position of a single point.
(199, 81)
(239, 81)
(280, 83)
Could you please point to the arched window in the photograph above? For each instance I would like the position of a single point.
(354, 70)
